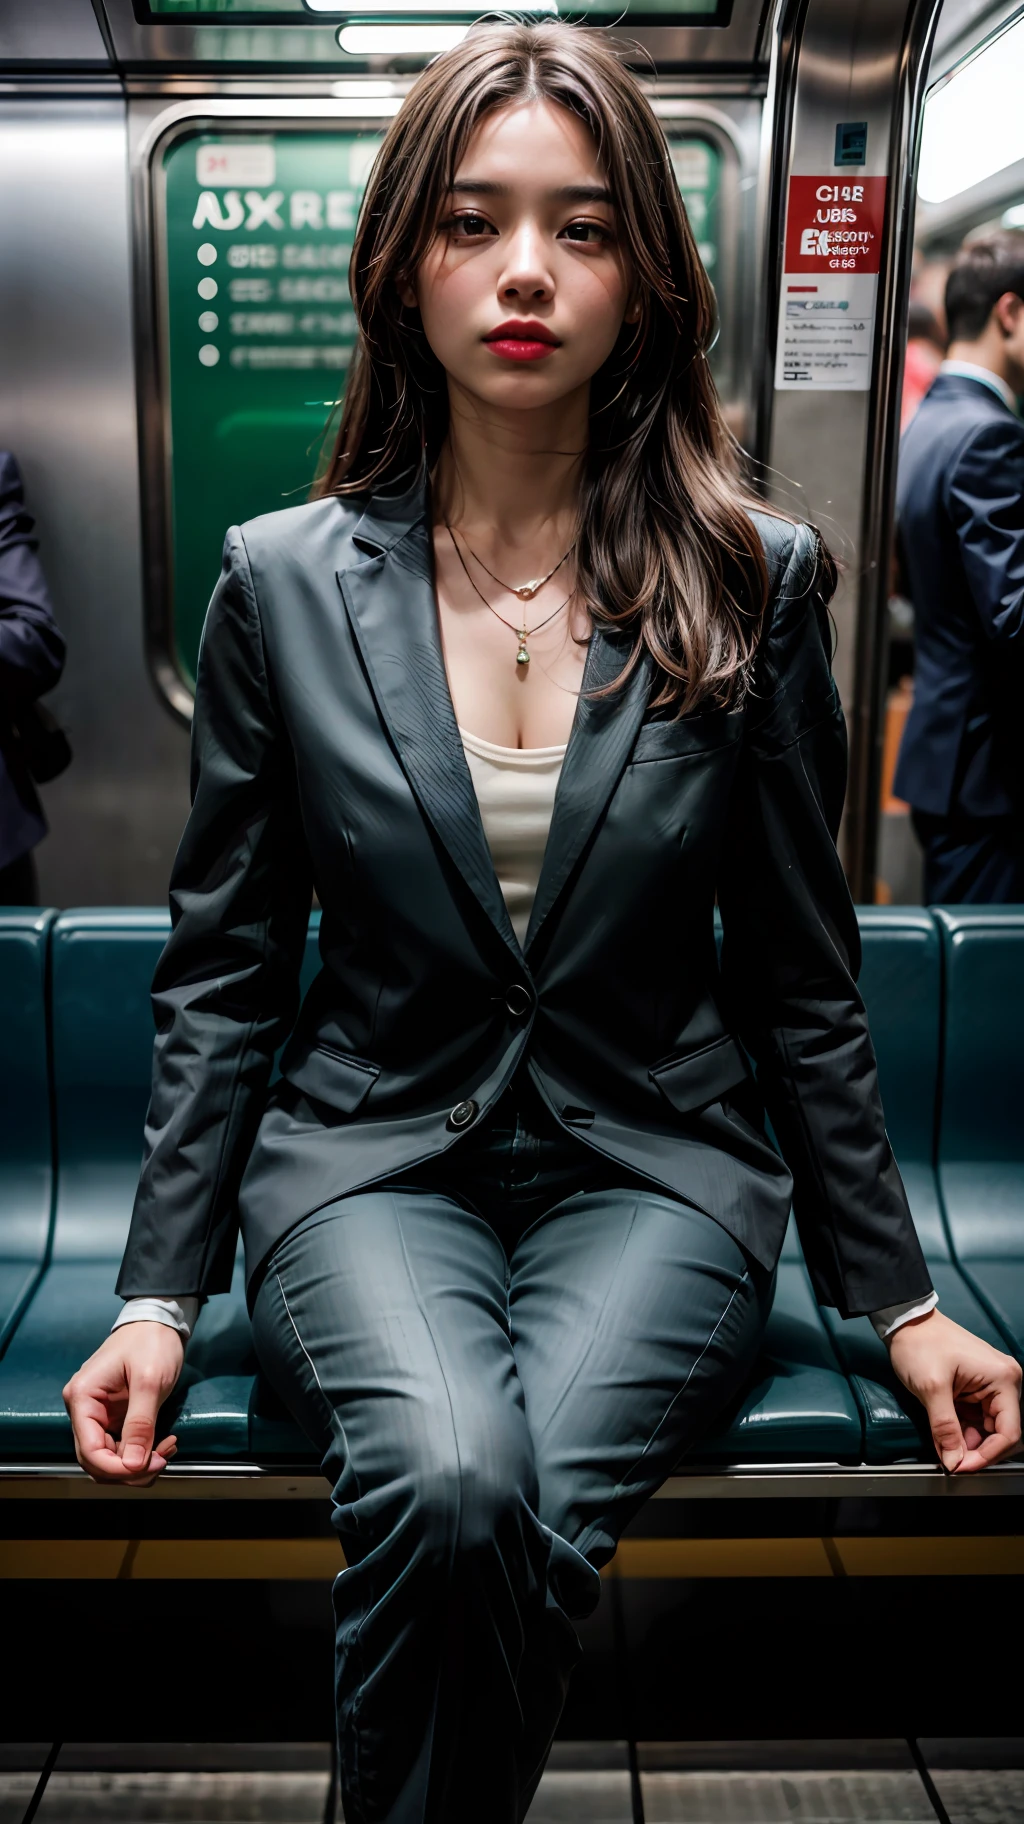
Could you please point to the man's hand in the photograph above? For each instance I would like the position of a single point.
(970, 1391)
(115, 1398)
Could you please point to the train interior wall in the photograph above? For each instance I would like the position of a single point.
(69, 414)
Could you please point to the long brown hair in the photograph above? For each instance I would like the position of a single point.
(666, 550)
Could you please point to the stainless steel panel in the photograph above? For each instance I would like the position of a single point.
(831, 456)
(50, 32)
(67, 409)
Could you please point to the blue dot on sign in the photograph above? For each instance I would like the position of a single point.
(851, 142)
(206, 254)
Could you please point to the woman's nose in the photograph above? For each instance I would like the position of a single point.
(527, 273)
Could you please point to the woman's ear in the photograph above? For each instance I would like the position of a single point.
(634, 311)
(407, 292)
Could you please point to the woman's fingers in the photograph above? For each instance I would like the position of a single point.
(970, 1391)
(99, 1455)
(1002, 1416)
(138, 1433)
(94, 1447)
(114, 1401)
(947, 1436)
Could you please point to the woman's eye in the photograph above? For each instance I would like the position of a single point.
(469, 227)
(592, 233)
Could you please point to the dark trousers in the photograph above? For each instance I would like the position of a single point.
(971, 861)
(500, 1357)
(18, 884)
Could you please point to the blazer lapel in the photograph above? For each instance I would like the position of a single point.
(600, 744)
(391, 604)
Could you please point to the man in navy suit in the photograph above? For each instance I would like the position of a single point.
(960, 507)
(31, 661)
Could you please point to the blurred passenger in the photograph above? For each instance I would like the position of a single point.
(925, 348)
(928, 287)
(31, 661)
(960, 504)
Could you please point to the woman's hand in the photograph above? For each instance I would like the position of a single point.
(970, 1391)
(114, 1400)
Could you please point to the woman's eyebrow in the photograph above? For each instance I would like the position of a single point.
(569, 193)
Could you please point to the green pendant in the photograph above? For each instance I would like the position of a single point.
(522, 656)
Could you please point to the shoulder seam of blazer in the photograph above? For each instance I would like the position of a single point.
(236, 536)
(777, 548)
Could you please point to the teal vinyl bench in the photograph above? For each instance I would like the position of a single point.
(101, 1042)
(981, 1126)
(821, 1392)
(901, 981)
(26, 1139)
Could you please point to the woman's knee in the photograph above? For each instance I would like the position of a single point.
(458, 1498)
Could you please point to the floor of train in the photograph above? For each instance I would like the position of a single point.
(769, 1699)
(955, 1780)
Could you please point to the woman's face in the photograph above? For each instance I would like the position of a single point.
(526, 285)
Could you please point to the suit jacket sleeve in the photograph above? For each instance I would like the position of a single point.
(985, 499)
(226, 987)
(790, 957)
(31, 644)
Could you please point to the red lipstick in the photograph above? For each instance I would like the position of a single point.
(517, 340)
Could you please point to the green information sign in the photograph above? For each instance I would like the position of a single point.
(256, 233)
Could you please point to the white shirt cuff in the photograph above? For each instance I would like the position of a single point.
(179, 1313)
(893, 1316)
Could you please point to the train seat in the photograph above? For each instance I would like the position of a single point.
(821, 1390)
(26, 1171)
(981, 1130)
(101, 1036)
(797, 1405)
(901, 982)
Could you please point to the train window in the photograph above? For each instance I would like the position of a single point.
(254, 333)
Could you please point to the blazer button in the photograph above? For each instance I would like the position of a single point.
(517, 1000)
(463, 1114)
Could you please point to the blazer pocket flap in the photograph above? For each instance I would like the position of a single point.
(702, 1076)
(700, 733)
(334, 1077)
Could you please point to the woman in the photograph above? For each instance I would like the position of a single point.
(511, 1218)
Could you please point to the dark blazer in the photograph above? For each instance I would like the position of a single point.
(960, 504)
(326, 752)
(31, 660)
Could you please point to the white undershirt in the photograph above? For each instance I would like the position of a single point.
(970, 370)
(515, 788)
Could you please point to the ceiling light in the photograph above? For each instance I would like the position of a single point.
(399, 40)
(974, 124)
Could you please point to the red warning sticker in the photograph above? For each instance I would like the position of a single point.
(835, 224)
